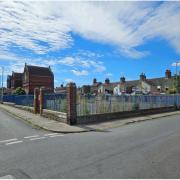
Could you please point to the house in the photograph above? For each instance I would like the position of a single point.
(61, 89)
(36, 77)
(95, 86)
(90, 89)
(106, 87)
(146, 86)
(16, 80)
(85, 89)
(9, 79)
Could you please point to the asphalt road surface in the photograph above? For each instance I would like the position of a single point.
(148, 149)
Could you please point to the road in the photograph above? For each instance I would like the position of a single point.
(148, 149)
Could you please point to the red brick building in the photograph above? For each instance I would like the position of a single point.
(16, 80)
(35, 76)
(9, 79)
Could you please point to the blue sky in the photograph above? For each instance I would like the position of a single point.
(86, 40)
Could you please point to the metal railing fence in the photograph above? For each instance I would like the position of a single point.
(55, 102)
(24, 100)
(87, 105)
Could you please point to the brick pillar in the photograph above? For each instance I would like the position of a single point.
(36, 95)
(41, 99)
(71, 103)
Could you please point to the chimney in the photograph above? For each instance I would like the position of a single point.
(107, 81)
(142, 77)
(94, 81)
(168, 74)
(122, 80)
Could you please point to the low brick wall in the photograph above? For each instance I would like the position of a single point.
(9, 104)
(58, 116)
(26, 108)
(121, 115)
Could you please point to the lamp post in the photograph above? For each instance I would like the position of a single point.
(2, 89)
(177, 63)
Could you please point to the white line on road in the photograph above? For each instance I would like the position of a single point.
(7, 177)
(28, 137)
(8, 140)
(15, 142)
(56, 135)
(51, 134)
(33, 139)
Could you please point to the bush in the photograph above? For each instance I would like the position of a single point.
(135, 107)
(19, 91)
(172, 91)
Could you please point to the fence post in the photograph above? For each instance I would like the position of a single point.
(71, 103)
(41, 99)
(36, 94)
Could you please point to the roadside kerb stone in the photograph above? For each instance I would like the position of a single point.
(54, 126)
(40, 122)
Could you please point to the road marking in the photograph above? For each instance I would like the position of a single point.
(56, 135)
(15, 142)
(8, 140)
(51, 134)
(33, 139)
(28, 137)
(7, 177)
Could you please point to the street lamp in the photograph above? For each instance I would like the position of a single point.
(177, 63)
(2, 89)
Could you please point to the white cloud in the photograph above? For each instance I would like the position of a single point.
(43, 27)
(176, 64)
(80, 72)
(109, 74)
(68, 61)
(69, 80)
(83, 62)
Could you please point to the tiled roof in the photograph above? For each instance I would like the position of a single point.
(162, 81)
(41, 71)
(17, 75)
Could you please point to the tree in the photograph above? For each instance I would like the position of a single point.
(20, 91)
(177, 83)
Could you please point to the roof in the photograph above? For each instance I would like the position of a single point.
(17, 75)
(40, 71)
(162, 81)
(132, 83)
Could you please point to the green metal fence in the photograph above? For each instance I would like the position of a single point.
(55, 102)
(109, 104)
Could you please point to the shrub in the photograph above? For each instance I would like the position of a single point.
(135, 107)
(19, 91)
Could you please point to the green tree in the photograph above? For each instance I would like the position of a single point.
(20, 91)
(177, 83)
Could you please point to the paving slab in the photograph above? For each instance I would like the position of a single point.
(56, 126)
(41, 122)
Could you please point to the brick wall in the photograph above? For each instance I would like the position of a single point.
(121, 115)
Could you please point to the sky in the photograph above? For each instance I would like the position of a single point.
(86, 40)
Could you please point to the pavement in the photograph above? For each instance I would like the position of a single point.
(145, 150)
(56, 126)
(41, 122)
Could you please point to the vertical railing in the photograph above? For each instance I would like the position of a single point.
(108, 104)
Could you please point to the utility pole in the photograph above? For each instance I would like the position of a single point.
(2, 89)
(177, 64)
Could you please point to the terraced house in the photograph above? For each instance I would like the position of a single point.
(142, 85)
